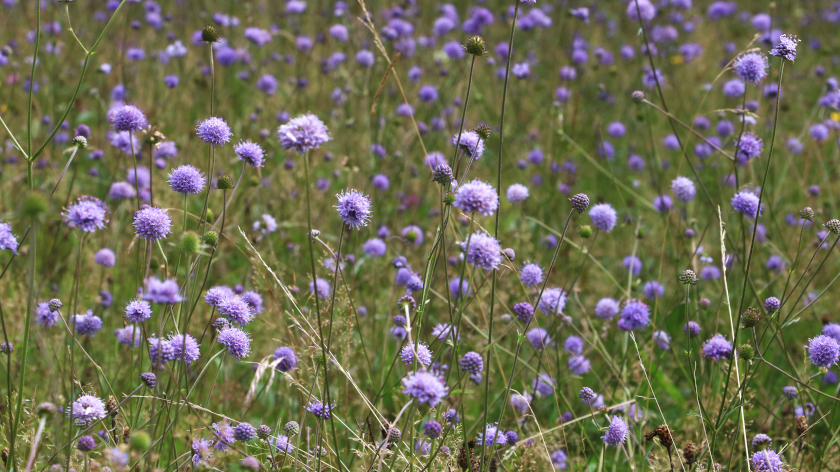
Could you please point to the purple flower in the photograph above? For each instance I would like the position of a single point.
(186, 180)
(237, 342)
(616, 433)
(86, 409)
(375, 247)
(538, 337)
(303, 133)
(425, 387)
(823, 351)
(606, 308)
(127, 118)
(459, 287)
(121, 190)
(751, 67)
(471, 143)
(87, 323)
(472, 362)
(354, 208)
(138, 311)
(236, 309)
(483, 251)
(633, 264)
(653, 290)
(517, 193)
(733, 89)
(254, 300)
(8, 241)
(184, 347)
(643, 9)
(162, 291)
(214, 131)
(634, 316)
(413, 234)
(423, 354)
(477, 197)
(44, 316)
(365, 58)
(553, 301)
(603, 216)
(287, 358)
(746, 203)
(152, 223)
(663, 340)
(684, 189)
(531, 274)
(105, 257)
(748, 147)
(87, 214)
(215, 295)
(251, 153)
(767, 460)
(717, 348)
(171, 81)
(201, 450)
(579, 365)
(786, 47)
(662, 203)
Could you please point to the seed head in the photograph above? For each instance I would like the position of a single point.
(140, 441)
(688, 277)
(483, 132)
(807, 213)
(190, 242)
(638, 96)
(751, 318)
(55, 304)
(834, 226)
(580, 202)
(263, 431)
(586, 231)
(292, 428)
(801, 424)
(225, 182)
(113, 406)
(746, 352)
(449, 198)
(475, 46)
(690, 453)
(209, 34)
(80, 142)
(211, 238)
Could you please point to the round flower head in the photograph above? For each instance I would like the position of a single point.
(160, 351)
(236, 309)
(237, 342)
(138, 311)
(531, 275)
(224, 435)
(214, 131)
(761, 440)
(663, 340)
(7, 239)
(471, 143)
(184, 347)
(786, 47)
(354, 208)
(186, 180)
(524, 312)
(105, 257)
(254, 300)
(251, 153)
(634, 316)
(491, 435)
(746, 203)
(423, 353)
(425, 387)
(538, 337)
(130, 335)
(127, 118)
(823, 351)
(751, 67)
(87, 214)
(324, 289)
(643, 9)
(517, 193)
(375, 247)
(749, 147)
(616, 433)
(483, 251)
(459, 287)
(121, 190)
(287, 358)
(472, 362)
(606, 308)
(767, 460)
(87, 323)
(444, 331)
(683, 189)
(44, 316)
(717, 348)
(573, 344)
(432, 429)
(162, 291)
(790, 392)
(320, 410)
(772, 304)
(603, 216)
(559, 459)
(201, 450)
(303, 133)
(692, 328)
(580, 202)
(653, 290)
(477, 197)
(244, 432)
(633, 264)
(86, 409)
(283, 444)
(152, 223)
(553, 301)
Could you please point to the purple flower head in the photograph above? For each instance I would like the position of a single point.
(121, 190)
(425, 387)
(823, 351)
(287, 359)
(446, 333)
(44, 316)
(87, 323)
(423, 353)
(663, 340)
(87, 213)
(86, 409)
(746, 203)
(251, 153)
(751, 67)
(653, 290)
(365, 58)
(130, 335)
(105, 257)
(236, 309)
(152, 223)
(216, 294)
(717, 348)
(138, 311)
(162, 291)
(531, 274)
(127, 118)
(375, 247)
(579, 365)
(832, 330)
(634, 316)
(553, 301)
(184, 347)
(606, 308)
(786, 47)
(432, 429)
(633, 264)
(483, 251)
(490, 435)
(86, 444)
(692, 328)
(767, 460)
(684, 189)
(559, 459)
(214, 131)
(237, 342)
(573, 344)
(790, 392)
(8, 241)
(616, 433)
(603, 216)
(472, 362)
(160, 351)
(283, 444)
(254, 300)
(354, 208)
(517, 193)
(224, 435)
(304, 133)
(539, 338)
(416, 232)
(459, 287)
(748, 147)
(186, 180)
(662, 203)
(733, 89)
(471, 143)
(202, 450)
(476, 197)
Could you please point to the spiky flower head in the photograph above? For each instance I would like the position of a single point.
(717, 348)
(751, 318)
(475, 46)
(477, 197)
(244, 432)
(186, 180)
(354, 208)
(786, 47)
(746, 203)
(751, 67)
(767, 460)
(616, 433)
(472, 362)
(688, 277)
(483, 250)
(87, 213)
(209, 34)
(152, 223)
(471, 143)
(425, 387)
(692, 329)
(823, 351)
(86, 444)
(251, 153)
(237, 342)
(442, 174)
(833, 226)
(214, 131)
(304, 133)
(587, 394)
(580, 202)
(772, 304)
(604, 217)
(211, 238)
(127, 118)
